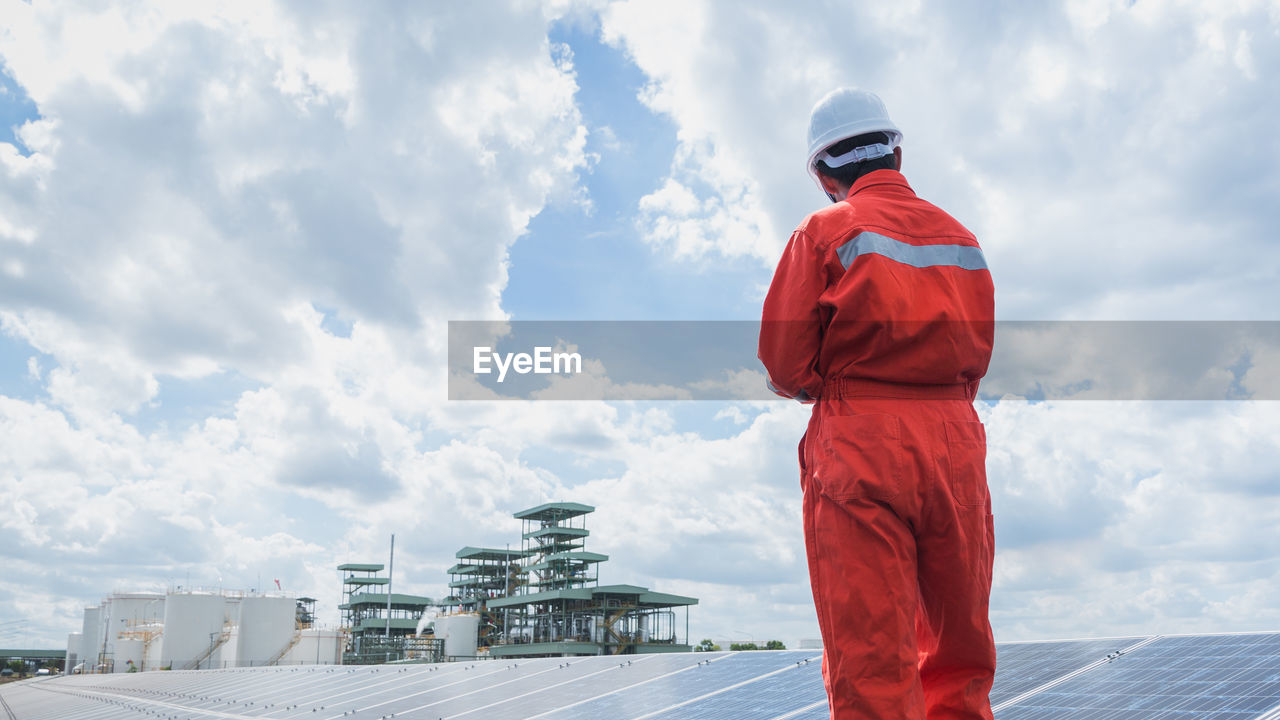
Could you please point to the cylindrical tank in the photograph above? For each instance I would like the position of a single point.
(521, 632)
(224, 656)
(151, 656)
(266, 628)
(91, 638)
(459, 633)
(192, 623)
(126, 613)
(233, 609)
(315, 647)
(128, 654)
(73, 651)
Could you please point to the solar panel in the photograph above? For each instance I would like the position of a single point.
(788, 692)
(719, 672)
(1217, 677)
(1021, 667)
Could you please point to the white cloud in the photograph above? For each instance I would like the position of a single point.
(264, 159)
(199, 179)
(1097, 147)
(1122, 518)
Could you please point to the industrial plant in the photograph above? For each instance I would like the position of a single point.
(544, 599)
(539, 599)
(187, 630)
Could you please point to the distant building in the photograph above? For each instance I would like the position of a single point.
(545, 599)
(186, 630)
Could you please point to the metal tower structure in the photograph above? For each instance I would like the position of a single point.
(561, 608)
(379, 625)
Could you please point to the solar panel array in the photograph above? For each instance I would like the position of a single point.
(677, 685)
(1214, 677)
(1217, 677)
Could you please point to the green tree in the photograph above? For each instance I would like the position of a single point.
(17, 666)
(706, 646)
(774, 645)
(744, 646)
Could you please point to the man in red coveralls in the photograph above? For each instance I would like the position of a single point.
(881, 313)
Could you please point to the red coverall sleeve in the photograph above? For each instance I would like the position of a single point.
(791, 325)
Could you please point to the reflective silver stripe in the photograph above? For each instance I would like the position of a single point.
(869, 243)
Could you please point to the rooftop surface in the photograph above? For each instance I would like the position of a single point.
(1210, 677)
(491, 554)
(398, 600)
(361, 567)
(6, 653)
(642, 597)
(554, 511)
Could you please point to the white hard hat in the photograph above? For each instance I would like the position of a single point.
(844, 113)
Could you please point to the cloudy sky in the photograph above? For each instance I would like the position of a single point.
(232, 235)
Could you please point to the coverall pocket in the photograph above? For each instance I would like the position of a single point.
(967, 462)
(862, 457)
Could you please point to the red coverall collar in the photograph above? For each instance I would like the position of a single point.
(893, 179)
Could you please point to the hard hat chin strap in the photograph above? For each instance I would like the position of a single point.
(856, 155)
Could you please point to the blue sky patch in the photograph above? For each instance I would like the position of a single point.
(575, 265)
(15, 109)
(182, 403)
(15, 379)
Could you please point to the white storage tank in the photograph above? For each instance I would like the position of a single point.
(267, 626)
(125, 614)
(151, 655)
(73, 651)
(459, 633)
(91, 638)
(315, 647)
(233, 609)
(193, 622)
(128, 654)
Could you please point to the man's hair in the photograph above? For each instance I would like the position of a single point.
(849, 174)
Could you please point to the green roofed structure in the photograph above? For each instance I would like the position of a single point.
(368, 613)
(482, 574)
(361, 567)
(545, 599)
(378, 630)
